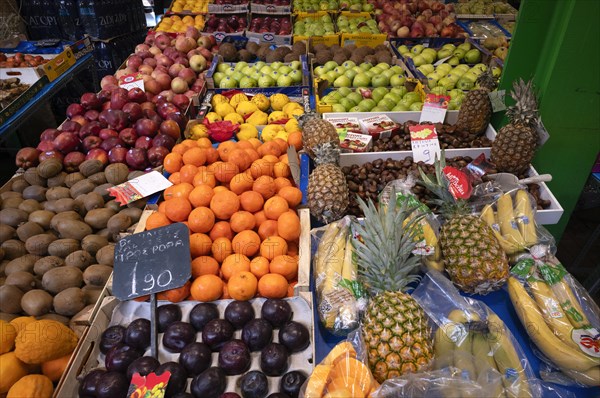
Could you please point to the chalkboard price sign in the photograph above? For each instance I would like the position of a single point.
(151, 262)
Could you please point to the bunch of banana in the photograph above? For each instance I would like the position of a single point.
(467, 342)
(514, 227)
(334, 263)
(557, 324)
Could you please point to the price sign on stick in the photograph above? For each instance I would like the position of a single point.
(424, 143)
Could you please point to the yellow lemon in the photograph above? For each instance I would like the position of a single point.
(246, 132)
(258, 118)
(224, 109)
(283, 135)
(292, 125)
(277, 115)
(261, 101)
(270, 132)
(237, 98)
(213, 117)
(218, 99)
(234, 118)
(278, 101)
(245, 108)
(198, 131)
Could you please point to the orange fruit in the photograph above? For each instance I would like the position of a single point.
(178, 209)
(195, 156)
(224, 149)
(212, 155)
(242, 285)
(161, 206)
(256, 143)
(283, 145)
(282, 182)
(221, 229)
(241, 183)
(252, 154)
(281, 170)
(244, 144)
(175, 178)
(269, 148)
(272, 159)
(204, 143)
(201, 195)
(176, 295)
(273, 286)
(211, 167)
(288, 226)
(242, 220)
(201, 219)
(260, 218)
(267, 228)
(204, 265)
(284, 158)
(225, 295)
(181, 190)
(234, 263)
(240, 158)
(272, 247)
(204, 176)
(190, 143)
(295, 140)
(207, 288)
(275, 206)
(293, 248)
(179, 149)
(200, 245)
(188, 172)
(224, 204)
(291, 194)
(265, 186)
(221, 248)
(225, 171)
(246, 243)
(173, 162)
(251, 201)
(286, 266)
(261, 167)
(259, 266)
(220, 188)
(157, 220)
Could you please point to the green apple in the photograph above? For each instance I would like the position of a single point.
(330, 65)
(320, 71)
(465, 84)
(446, 83)
(228, 82)
(380, 108)
(439, 90)
(393, 97)
(248, 70)
(431, 81)
(340, 70)
(276, 65)
(275, 75)
(416, 106)
(367, 7)
(347, 103)
(400, 108)
(229, 71)
(376, 70)
(481, 67)
(248, 82)
(258, 66)
(296, 65)
(430, 51)
(332, 75)
(412, 97)
(355, 97)
(444, 68)
(355, 109)
(459, 53)
(406, 103)
(284, 69)
(453, 76)
(397, 80)
(397, 69)
(265, 81)
(399, 91)
(284, 80)
(418, 49)
(449, 46)
(296, 76)
(237, 76)
(426, 69)
(378, 93)
(419, 60)
(403, 49)
(338, 108)
(217, 77)
(350, 74)
(453, 61)
(456, 93)
(344, 91)
(241, 65)
(358, 69)
(429, 59)
(462, 68)
(266, 70)
(366, 105)
(444, 53)
(388, 103)
(383, 66)
(223, 67)
(342, 81)
(472, 56)
(361, 80)
(348, 65)
(466, 46)
(365, 66)
(496, 71)
(388, 73)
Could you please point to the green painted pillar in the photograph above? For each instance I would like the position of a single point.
(557, 43)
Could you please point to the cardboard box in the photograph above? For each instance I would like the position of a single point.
(279, 40)
(355, 142)
(379, 126)
(227, 8)
(270, 9)
(328, 40)
(360, 39)
(349, 124)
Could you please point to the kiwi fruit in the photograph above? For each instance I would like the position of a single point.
(38, 244)
(73, 229)
(116, 173)
(69, 302)
(49, 168)
(98, 218)
(245, 55)
(103, 190)
(11, 203)
(19, 185)
(92, 201)
(90, 166)
(10, 299)
(42, 217)
(65, 215)
(113, 204)
(340, 57)
(134, 174)
(81, 187)
(13, 217)
(228, 52)
(33, 178)
(105, 233)
(6, 232)
(291, 57)
(58, 193)
(29, 229)
(73, 178)
(119, 222)
(57, 181)
(132, 212)
(30, 205)
(93, 243)
(92, 293)
(97, 275)
(81, 259)
(63, 247)
(36, 302)
(299, 47)
(13, 248)
(252, 47)
(24, 263)
(106, 255)
(58, 279)
(47, 263)
(21, 279)
(55, 317)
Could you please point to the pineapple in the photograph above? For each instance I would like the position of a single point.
(316, 131)
(327, 188)
(472, 255)
(476, 109)
(395, 327)
(515, 144)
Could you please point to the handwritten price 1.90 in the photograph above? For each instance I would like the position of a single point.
(149, 281)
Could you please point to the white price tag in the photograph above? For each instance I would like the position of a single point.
(543, 134)
(130, 81)
(434, 108)
(497, 100)
(424, 143)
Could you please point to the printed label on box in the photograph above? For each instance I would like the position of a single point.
(349, 124)
(133, 80)
(379, 126)
(355, 142)
(434, 108)
(140, 187)
(424, 142)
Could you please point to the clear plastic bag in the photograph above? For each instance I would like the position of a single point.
(561, 318)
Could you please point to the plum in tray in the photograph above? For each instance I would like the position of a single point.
(195, 358)
(209, 384)
(254, 384)
(230, 395)
(276, 311)
(257, 334)
(182, 395)
(234, 357)
(112, 384)
(111, 337)
(274, 359)
(178, 379)
(143, 366)
(291, 382)
(238, 313)
(166, 315)
(87, 387)
(216, 333)
(203, 313)
(137, 334)
(178, 335)
(120, 357)
(278, 395)
(294, 336)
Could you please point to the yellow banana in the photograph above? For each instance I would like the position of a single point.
(508, 225)
(462, 349)
(349, 268)
(525, 218)
(488, 216)
(325, 246)
(443, 346)
(590, 377)
(529, 314)
(481, 351)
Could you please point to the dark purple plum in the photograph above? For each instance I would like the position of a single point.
(209, 384)
(294, 336)
(274, 359)
(178, 335)
(137, 334)
(257, 334)
(178, 379)
(167, 314)
(216, 332)
(203, 313)
(111, 385)
(234, 357)
(239, 313)
(143, 366)
(195, 358)
(276, 311)
(111, 337)
(278, 395)
(254, 384)
(230, 395)
(120, 357)
(87, 387)
(291, 382)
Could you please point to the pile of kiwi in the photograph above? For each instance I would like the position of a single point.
(262, 52)
(57, 234)
(374, 55)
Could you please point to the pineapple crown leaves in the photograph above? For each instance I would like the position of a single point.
(327, 152)
(384, 256)
(525, 110)
(486, 80)
(304, 118)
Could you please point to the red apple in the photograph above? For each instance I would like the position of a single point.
(110, 143)
(136, 158)
(128, 136)
(70, 125)
(117, 154)
(72, 161)
(49, 134)
(156, 155)
(50, 154)
(133, 111)
(91, 142)
(91, 115)
(27, 157)
(146, 127)
(45, 146)
(74, 109)
(164, 140)
(143, 143)
(92, 128)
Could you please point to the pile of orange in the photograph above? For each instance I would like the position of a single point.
(239, 203)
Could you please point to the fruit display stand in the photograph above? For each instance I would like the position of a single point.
(481, 29)
(188, 7)
(264, 7)
(360, 38)
(266, 36)
(328, 40)
(215, 25)
(225, 7)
